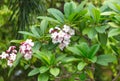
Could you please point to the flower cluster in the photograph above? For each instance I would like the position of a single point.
(10, 55)
(61, 36)
(26, 49)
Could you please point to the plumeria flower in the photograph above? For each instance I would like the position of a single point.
(26, 49)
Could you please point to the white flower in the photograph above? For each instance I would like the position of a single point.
(51, 29)
(71, 32)
(12, 56)
(66, 42)
(57, 28)
(55, 40)
(27, 56)
(66, 28)
(54, 35)
(11, 48)
(61, 36)
(61, 46)
(29, 41)
(67, 36)
(10, 63)
(26, 49)
(4, 55)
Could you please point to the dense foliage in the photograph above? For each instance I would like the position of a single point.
(80, 43)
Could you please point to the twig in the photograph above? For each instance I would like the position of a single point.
(115, 79)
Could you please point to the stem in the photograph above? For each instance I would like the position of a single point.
(116, 78)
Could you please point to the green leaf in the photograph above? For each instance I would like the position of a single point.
(43, 69)
(105, 59)
(55, 71)
(83, 48)
(48, 19)
(43, 57)
(91, 33)
(74, 50)
(35, 32)
(93, 59)
(101, 29)
(94, 13)
(69, 59)
(69, 8)
(43, 26)
(60, 58)
(102, 37)
(80, 6)
(43, 77)
(114, 6)
(81, 66)
(112, 24)
(34, 72)
(16, 41)
(107, 13)
(114, 32)
(26, 33)
(93, 50)
(57, 14)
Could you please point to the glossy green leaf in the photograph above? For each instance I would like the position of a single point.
(112, 24)
(16, 41)
(114, 32)
(43, 69)
(55, 71)
(81, 66)
(102, 37)
(69, 8)
(93, 50)
(69, 59)
(43, 77)
(81, 6)
(43, 25)
(93, 59)
(34, 72)
(35, 32)
(60, 58)
(94, 13)
(83, 48)
(74, 50)
(105, 59)
(49, 19)
(57, 14)
(101, 29)
(26, 33)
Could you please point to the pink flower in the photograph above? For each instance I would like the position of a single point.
(26, 49)
(9, 55)
(61, 36)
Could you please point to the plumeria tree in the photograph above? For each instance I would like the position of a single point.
(70, 46)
